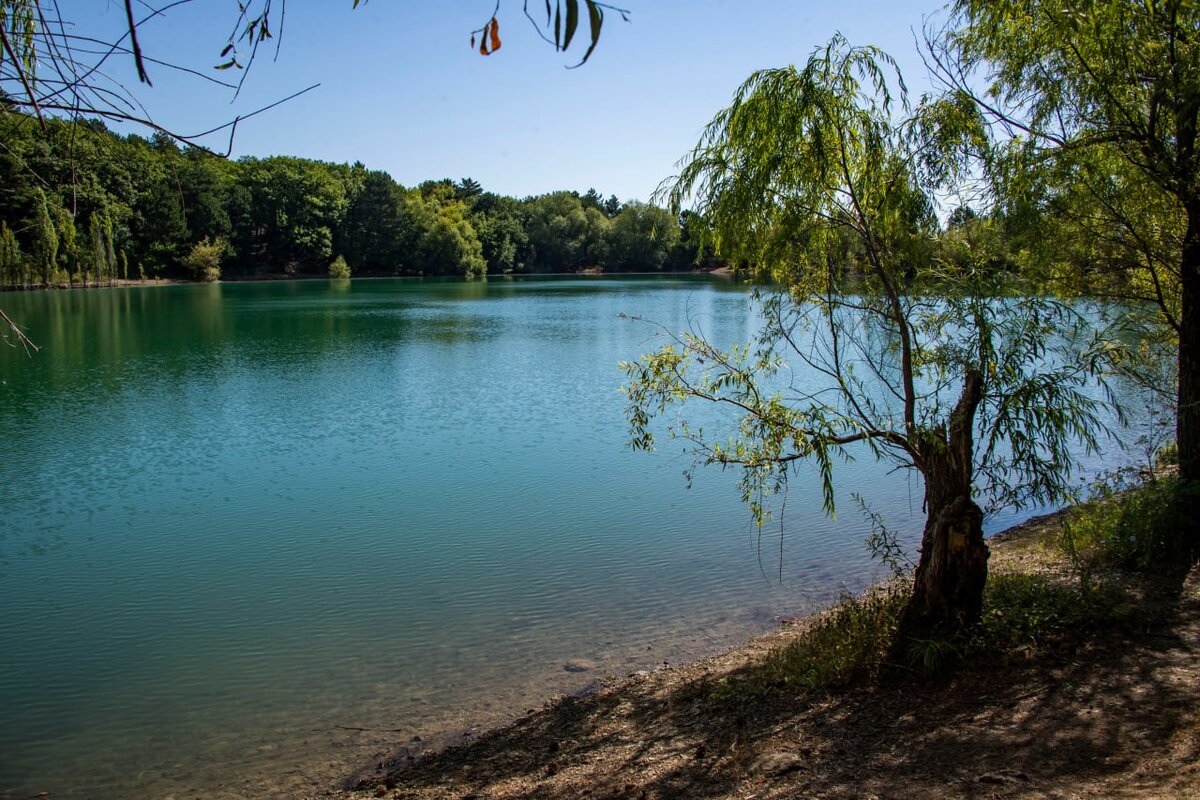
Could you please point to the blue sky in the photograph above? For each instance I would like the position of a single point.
(402, 91)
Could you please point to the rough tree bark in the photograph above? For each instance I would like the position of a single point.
(950, 576)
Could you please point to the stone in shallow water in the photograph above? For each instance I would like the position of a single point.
(579, 665)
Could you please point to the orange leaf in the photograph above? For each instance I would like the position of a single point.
(495, 34)
(483, 48)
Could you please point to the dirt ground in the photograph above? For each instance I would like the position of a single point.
(1112, 714)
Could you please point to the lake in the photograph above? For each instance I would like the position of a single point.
(258, 536)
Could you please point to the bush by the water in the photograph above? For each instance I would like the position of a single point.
(339, 269)
(849, 641)
(1127, 525)
(203, 261)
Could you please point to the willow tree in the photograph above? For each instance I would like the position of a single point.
(45, 238)
(984, 396)
(1107, 94)
(11, 258)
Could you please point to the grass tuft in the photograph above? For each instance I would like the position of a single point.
(1024, 614)
(849, 641)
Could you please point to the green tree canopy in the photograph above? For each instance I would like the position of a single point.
(1102, 102)
(374, 233)
(295, 205)
(564, 234)
(289, 215)
(500, 222)
(447, 243)
(642, 238)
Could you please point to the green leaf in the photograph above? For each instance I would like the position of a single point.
(572, 22)
(596, 21)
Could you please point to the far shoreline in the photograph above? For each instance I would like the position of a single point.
(271, 277)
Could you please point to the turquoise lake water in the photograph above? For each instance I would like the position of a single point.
(243, 521)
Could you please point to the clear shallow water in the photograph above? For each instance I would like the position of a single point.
(236, 517)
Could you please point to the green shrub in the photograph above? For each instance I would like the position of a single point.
(1024, 613)
(850, 640)
(339, 268)
(1167, 455)
(1126, 525)
(204, 260)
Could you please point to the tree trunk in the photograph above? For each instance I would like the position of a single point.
(948, 585)
(1187, 420)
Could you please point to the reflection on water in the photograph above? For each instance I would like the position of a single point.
(239, 516)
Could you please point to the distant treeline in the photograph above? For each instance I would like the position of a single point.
(82, 205)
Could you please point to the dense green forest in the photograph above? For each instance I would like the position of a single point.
(81, 205)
